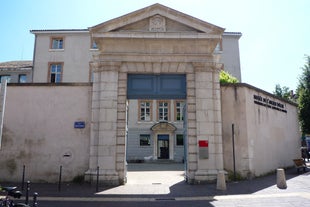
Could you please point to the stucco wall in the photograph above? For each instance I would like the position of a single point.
(266, 130)
(75, 57)
(230, 56)
(39, 132)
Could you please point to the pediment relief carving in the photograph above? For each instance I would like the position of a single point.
(157, 23)
(163, 126)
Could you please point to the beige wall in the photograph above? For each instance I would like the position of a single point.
(265, 138)
(39, 132)
(230, 56)
(76, 56)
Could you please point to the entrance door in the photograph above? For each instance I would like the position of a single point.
(163, 146)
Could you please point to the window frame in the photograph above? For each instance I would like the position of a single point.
(50, 71)
(158, 110)
(176, 110)
(92, 43)
(148, 136)
(176, 140)
(22, 75)
(150, 109)
(57, 38)
(8, 78)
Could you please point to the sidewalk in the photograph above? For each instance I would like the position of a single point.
(153, 185)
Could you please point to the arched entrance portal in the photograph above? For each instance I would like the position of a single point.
(156, 41)
(164, 142)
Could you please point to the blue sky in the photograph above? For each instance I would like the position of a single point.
(276, 33)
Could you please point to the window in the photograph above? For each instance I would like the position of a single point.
(145, 110)
(22, 78)
(145, 140)
(57, 43)
(179, 105)
(219, 47)
(94, 45)
(55, 72)
(5, 77)
(163, 110)
(180, 140)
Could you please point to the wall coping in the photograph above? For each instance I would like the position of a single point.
(246, 85)
(49, 84)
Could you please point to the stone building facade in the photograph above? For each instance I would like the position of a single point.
(155, 57)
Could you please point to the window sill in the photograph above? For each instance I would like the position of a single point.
(56, 50)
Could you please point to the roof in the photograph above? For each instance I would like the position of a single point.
(157, 9)
(16, 64)
(51, 31)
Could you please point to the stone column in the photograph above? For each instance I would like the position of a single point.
(208, 119)
(104, 125)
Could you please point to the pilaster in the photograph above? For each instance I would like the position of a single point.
(208, 120)
(105, 146)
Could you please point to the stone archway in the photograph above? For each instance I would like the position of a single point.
(109, 118)
(123, 51)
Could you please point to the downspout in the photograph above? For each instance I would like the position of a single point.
(2, 107)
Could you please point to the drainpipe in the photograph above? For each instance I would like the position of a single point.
(2, 106)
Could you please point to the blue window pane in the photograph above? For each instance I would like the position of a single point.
(22, 78)
(58, 78)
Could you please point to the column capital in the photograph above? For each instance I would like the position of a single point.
(207, 66)
(98, 66)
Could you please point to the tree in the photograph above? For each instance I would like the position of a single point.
(283, 92)
(225, 77)
(303, 91)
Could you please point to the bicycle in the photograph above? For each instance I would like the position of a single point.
(6, 201)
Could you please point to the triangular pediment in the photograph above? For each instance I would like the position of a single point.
(157, 18)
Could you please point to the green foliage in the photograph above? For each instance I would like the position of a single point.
(303, 92)
(225, 77)
(283, 92)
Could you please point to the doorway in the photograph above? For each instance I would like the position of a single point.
(163, 146)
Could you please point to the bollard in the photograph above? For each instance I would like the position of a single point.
(281, 181)
(23, 177)
(221, 183)
(97, 180)
(35, 199)
(27, 192)
(59, 181)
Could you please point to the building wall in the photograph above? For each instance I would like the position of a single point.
(136, 127)
(75, 56)
(266, 129)
(39, 132)
(230, 56)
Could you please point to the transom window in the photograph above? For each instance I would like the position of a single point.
(163, 110)
(179, 105)
(57, 43)
(55, 72)
(145, 110)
